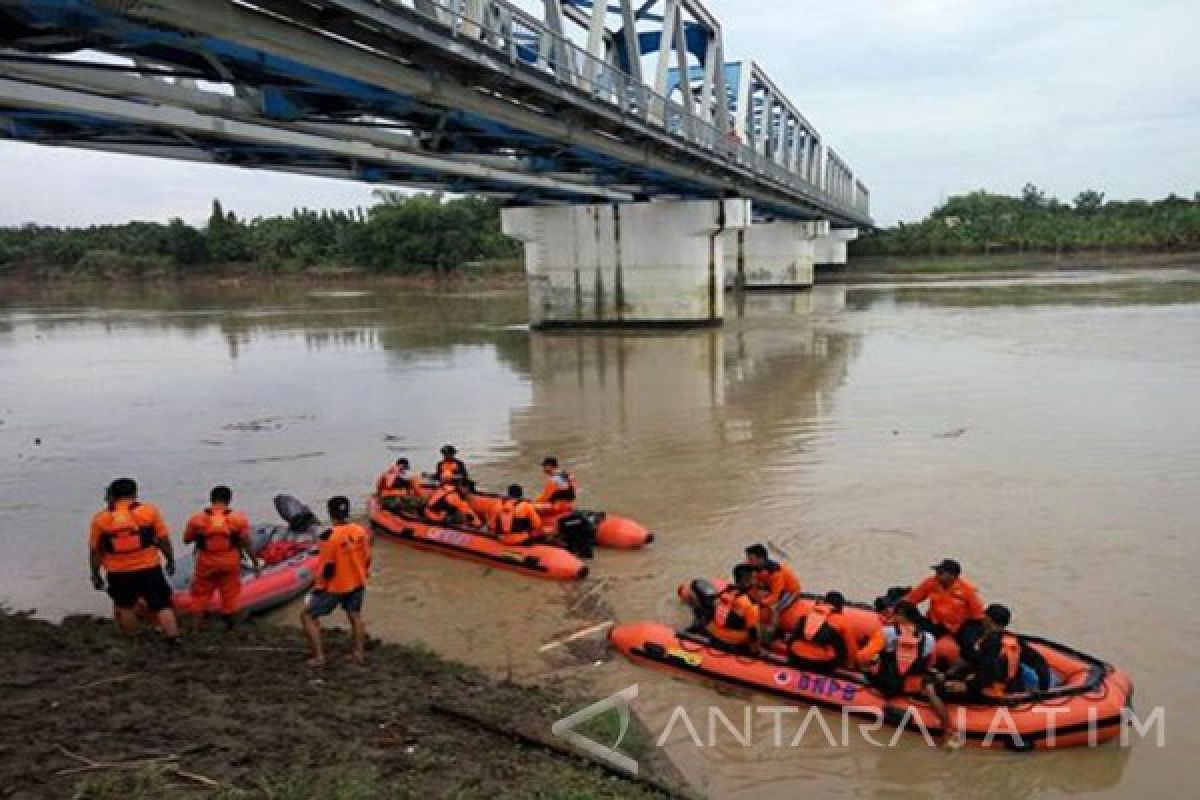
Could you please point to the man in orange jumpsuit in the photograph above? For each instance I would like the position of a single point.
(735, 619)
(558, 495)
(222, 537)
(516, 522)
(345, 560)
(448, 506)
(126, 541)
(776, 587)
(955, 608)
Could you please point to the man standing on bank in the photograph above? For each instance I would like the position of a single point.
(345, 559)
(127, 540)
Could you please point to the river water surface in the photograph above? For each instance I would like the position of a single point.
(1043, 430)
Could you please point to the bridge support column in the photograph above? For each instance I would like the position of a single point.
(773, 255)
(831, 249)
(627, 264)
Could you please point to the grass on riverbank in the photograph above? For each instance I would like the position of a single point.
(240, 716)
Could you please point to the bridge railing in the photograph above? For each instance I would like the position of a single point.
(522, 39)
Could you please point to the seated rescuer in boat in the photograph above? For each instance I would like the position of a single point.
(955, 608)
(396, 486)
(222, 539)
(448, 506)
(898, 659)
(451, 467)
(995, 667)
(776, 587)
(516, 522)
(735, 620)
(822, 638)
(560, 490)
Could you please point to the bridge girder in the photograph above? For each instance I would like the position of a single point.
(464, 84)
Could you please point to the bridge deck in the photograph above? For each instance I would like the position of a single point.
(384, 92)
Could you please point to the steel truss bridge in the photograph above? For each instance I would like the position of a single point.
(540, 101)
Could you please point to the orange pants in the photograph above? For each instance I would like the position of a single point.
(208, 579)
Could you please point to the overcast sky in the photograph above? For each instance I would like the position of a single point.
(924, 99)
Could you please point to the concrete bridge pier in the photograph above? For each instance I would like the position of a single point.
(831, 249)
(773, 255)
(656, 264)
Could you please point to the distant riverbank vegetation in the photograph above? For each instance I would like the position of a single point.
(421, 234)
(982, 223)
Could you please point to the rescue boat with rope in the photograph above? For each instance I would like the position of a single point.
(539, 560)
(288, 554)
(1084, 707)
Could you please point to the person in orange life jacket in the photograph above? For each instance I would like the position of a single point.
(898, 660)
(396, 482)
(822, 638)
(222, 539)
(451, 467)
(995, 670)
(777, 586)
(345, 561)
(735, 619)
(447, 506)
(126, 540)
(955, 608)
(516, 522)
(559, 492)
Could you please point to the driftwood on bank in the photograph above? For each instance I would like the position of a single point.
(167, 762)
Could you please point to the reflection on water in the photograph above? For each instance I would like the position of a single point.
(1041, 430)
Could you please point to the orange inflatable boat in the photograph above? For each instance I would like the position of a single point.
(1084, 708)
(539, 560)
(288, 555)
(612, 531)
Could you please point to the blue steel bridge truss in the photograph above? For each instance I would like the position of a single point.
(570, 102)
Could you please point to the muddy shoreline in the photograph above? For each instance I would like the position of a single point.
(239, 715)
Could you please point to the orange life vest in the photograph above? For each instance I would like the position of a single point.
(514, 517)
(734, 617)
(562, 487)
(217, 535)
(815, 620)
(902, 657)
(122, 534)
(450, 468)
(396, 483)
(728, 615)
(815, 637)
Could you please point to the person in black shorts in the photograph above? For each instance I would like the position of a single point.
(129, 541)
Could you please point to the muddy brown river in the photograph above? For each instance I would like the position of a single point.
(1042, 429)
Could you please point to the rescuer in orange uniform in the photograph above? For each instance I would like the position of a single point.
(776, 586)
(898, 660)
(735, 620)
(559, 493)
(395, 482)
(447, 505)
(516, 522)
(345, 560)
(222, 538)
(996, 665)
(126, 540)
(451, 467)
(955, 608)
(822, 638)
